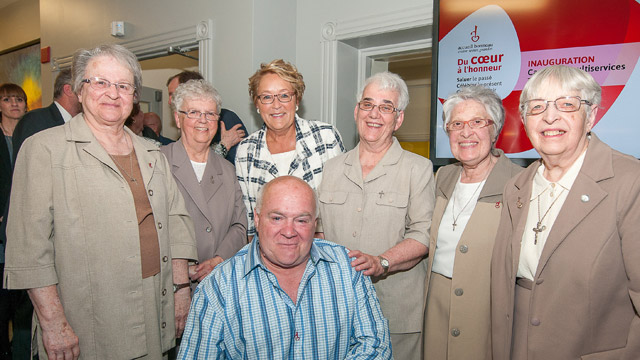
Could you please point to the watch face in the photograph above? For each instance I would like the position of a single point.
(384, 262)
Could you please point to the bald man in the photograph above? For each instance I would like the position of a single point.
(153, 121)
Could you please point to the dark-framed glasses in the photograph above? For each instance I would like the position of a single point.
(196, 114)
(101, 84)
(473, 124)
(564, 104)
(270, 98)
(383, 108)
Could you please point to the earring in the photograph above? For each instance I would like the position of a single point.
(258, 110)
(296, 107)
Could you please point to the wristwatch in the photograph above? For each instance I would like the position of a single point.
(177, 287)
(385, 264)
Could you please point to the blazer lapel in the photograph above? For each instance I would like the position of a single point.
(584, 196)
(146, 161)
(353, 170)
(518, 209)
(184, 174)
(211, 178)
(79, 132)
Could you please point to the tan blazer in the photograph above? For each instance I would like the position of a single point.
(587, 283)
(215, 205)
(469, 312)
(72, 223)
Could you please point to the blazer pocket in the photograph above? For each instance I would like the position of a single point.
(333, 197)
(392, 199)
(605, 355)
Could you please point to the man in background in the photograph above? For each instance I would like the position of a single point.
(152, 121)
(232, 130)
(65, 106)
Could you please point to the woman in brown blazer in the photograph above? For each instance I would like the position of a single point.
(565, 280)
(465, 220)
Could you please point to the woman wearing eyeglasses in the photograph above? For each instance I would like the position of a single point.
(565, 274)
(98, 231)
(377, 201)
(465, 221)
(207, 181)
(287, 144)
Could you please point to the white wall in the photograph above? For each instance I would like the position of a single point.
(312, 15)
(246, 33)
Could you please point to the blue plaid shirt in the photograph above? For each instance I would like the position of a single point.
(316, 142)
(240, 312)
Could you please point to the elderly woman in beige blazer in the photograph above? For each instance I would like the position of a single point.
(377, 200)
(566, 266)
(464, 225)
(207, 181)
(98, 231)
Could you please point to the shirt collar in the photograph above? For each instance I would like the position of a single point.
(540, 184)
(65, 114)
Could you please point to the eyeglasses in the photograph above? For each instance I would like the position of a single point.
(195, 115)
(383, 108)
(564, 104)
(268, 98)
(473, 124)
(101, 84)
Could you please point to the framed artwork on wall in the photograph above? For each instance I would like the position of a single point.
(21, 65)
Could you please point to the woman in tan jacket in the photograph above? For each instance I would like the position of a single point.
(464, 225)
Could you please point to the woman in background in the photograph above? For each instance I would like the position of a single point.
(14, 305)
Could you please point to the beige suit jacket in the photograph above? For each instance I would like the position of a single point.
(586, 290)
(72, 223)
(215, 204)
(469, 312)
(394, 203)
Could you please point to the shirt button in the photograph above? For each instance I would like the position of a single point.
(458, 292)
(164, 324)
(208, 229)
(455, 332)
(359, 209)
(159, 225)
(164, 292)
(150, 192)
(535, 322)
(464, 249)
(165, 258)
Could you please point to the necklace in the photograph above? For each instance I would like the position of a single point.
(453, 206)
(539, 227)
(132, 179)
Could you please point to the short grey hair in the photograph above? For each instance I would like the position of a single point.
(196, 90)
(388, 81)
(265, 187)
(570, 79)
(82, 57)
(487, 97)
(63, 78)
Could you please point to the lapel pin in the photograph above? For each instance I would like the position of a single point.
(151, 166)
(497, 204)
(519, 203)
(584, 198)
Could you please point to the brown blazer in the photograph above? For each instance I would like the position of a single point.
(470, 312)
(215, 205)
(587, 283)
